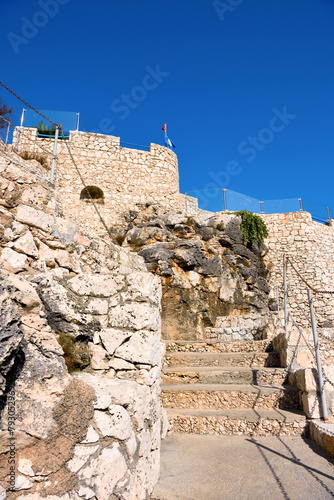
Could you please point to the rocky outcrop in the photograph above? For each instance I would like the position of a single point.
(205, 268)
(80, 354)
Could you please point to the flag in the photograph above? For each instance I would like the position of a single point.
(165, 127)
(169, 143)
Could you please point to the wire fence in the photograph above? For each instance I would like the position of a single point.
(221, 199)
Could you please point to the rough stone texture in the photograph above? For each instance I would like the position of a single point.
(93, 432)
(127, 177)
(205, 269)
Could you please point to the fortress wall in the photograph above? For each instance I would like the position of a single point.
(126, 176)
(310, 245)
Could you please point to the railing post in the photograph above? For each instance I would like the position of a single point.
(329, 216)
(78, 118)
(224, 197)
(285, 296)
(301, 204)
(317, 355)
(6, 142)
(54, 156)
(278, 310)
(261, 206)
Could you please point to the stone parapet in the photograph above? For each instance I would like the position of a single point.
(125, 177)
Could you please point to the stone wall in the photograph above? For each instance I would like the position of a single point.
(125, 176)
(90, 428)
(310, 246)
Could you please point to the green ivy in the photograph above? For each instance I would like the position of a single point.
(253, 227)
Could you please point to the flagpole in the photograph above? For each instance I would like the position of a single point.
(165, 132)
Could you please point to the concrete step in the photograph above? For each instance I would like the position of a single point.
(223, 396)
(260, 422)
(218, 346)
(250, 359)
(222, 375)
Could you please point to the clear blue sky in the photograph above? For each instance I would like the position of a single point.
(225, 70)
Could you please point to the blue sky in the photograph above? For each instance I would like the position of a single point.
(245, 86)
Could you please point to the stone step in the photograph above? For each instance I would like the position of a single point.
(221, 375)
(218, 346)
(250, 359)
(223, 396)
(260, 422)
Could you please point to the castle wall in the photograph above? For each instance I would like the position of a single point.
(310, 246)
(126, 176)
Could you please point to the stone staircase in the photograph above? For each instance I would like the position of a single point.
(230, 386)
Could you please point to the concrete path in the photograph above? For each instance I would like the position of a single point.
(197, 467)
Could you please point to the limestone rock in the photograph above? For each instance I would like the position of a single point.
(36, 218)
(13, 261)
(112, 338)
(26, 245)
(116, 424)
(104, 472)
(142, 347)
(135, 316)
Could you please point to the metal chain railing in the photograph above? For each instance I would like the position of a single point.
(311, 319)
(58, 128)
(29, 105)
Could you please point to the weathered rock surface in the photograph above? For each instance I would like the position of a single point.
(80, 354)
(205, 268)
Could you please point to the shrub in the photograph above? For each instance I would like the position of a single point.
(253, 227)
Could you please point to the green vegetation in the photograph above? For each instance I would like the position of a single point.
(44, 130)
(76, 354)
(253, 227)
(220, 226)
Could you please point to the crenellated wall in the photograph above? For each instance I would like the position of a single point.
(127, 177)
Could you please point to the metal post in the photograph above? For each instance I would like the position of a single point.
(19, 131)
(261, 205)
(22, 117)
(54, 156)
(6, 142)
(186, 194)
(317, 355)
(329, 215)
(78, 115)
(301, 204)
(285, 296)
(278, 311)
(224, 196)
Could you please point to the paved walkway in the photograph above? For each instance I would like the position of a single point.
(197, 467)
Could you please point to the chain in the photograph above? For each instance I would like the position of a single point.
(91, 198)
(306, 283)
(44, 180)
(29, 106)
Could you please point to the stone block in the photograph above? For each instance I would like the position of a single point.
(136, 316)
(117, 423)
(33, 217)
(13, 261)
(142, 347)
(112, 338)
(26, 245)
(95, 285)
(104, 472)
